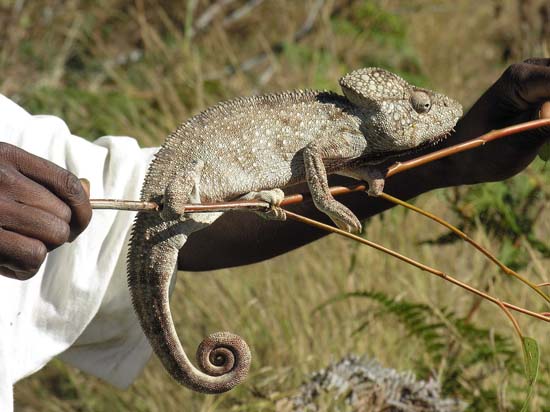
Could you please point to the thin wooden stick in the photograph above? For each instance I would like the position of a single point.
(396, 168)
(468, 145)
(137, 206)
(131, 205)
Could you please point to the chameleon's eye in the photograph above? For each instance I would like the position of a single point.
(421, 101)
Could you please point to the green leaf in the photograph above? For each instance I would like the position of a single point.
(544, 152)
(532, 360)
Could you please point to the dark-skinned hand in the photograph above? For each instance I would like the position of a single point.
(239, 238)
(42, 206)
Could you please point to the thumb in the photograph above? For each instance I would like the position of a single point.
(544, 111)
(86, 183)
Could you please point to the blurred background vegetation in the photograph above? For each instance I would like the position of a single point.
(139, 68)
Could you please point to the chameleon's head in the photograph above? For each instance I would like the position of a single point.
(398, 116)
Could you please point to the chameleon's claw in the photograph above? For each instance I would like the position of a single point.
(350, 224)
(273, 213)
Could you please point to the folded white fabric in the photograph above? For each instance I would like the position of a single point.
(78, 306)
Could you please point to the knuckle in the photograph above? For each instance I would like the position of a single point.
(60, 233)
(7, 175)
(6, 150)
(36, 255)
(538, 61)
(72, 185)
(64, 212)
(516, 72)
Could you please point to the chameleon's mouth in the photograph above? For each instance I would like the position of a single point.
(381, 157)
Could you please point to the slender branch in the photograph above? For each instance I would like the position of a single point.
(137, 206)
(337, 190)
(415, 263)
(130, 205)
(468, 145)
(394, 169)
(468, 239)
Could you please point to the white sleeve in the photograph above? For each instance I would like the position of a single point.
(77, 306)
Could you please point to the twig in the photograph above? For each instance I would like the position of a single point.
(336, 190)
(132, 205)
(470, 144)
(396, 168)
(468, 239)
(413, 262)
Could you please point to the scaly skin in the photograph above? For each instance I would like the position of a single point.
(251, 147)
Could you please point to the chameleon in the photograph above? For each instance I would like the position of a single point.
(252, 148)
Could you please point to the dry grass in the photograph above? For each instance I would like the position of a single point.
(138, 69)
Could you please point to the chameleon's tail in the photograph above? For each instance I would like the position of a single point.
(223, 358)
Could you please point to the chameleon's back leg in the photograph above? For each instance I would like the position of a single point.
(272, 196)
(181, 189)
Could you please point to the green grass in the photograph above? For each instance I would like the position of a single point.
(122, 67)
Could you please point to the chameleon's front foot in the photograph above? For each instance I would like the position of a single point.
(374, 177)
(274, 197)
(376, 186)
(344, 218)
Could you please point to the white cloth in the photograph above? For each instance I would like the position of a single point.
(78, 306)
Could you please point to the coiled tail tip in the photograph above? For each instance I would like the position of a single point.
(224, 354)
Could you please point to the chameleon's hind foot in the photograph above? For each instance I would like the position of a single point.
(274, 197)
(182, 189)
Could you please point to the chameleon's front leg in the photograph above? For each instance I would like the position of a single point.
(335, 150)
